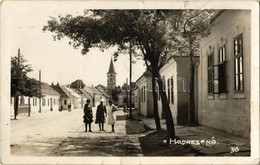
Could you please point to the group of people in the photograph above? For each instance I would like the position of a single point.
(103, 112)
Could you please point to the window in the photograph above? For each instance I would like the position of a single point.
(22, 100)
(168, 90)
(238, 64)
(172, 95)
(48, 102)
(35, 102)
(210, 72)
(43, 102)
(220, 72)
(65, 102)
(144, 93)
(164, 87)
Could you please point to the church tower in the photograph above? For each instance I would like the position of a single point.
(111, 77)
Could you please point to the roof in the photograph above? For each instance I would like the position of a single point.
(46, 89)
(85, 93)
(60, 91)
(111, 68)
(92, 91)
(215, 16)
(146, 73)
(103, 92)
(69, 92)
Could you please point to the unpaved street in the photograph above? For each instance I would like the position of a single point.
(62, 133)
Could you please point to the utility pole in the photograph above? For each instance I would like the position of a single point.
(130, 80)
(40, 105)
(126, 94)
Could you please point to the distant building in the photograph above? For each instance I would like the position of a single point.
(49, 101)
(96, 95)
(64, 97)
(84, 96)
(111, 77)
(224, 73)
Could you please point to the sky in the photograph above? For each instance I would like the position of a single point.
(57, 60)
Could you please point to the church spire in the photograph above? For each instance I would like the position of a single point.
(111, 68)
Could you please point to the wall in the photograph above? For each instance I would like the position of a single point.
(229, 112)
(168, 71)
(145, 107)
(35, 104)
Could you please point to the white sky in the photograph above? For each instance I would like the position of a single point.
(57, 60)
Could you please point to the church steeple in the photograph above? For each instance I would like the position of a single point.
(111, 77)
(111, 69)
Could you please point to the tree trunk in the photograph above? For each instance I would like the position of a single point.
(191, 111)
(167, 110)
(16, 101)
(29, 110)
(155, 106)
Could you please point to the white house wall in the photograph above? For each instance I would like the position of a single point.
(229, 112)
(168, 71)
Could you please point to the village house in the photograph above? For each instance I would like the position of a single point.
(49, 101)
(175, 74)
(64, 99)
(96, 95)
(123, 97)
(105, 94)
(75, 98)
(143, 95)
(84, 96)
(224, 73)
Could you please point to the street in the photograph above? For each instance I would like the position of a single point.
(62, 133)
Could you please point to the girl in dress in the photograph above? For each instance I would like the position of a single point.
(111, 117)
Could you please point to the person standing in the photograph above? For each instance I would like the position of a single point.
(111, 118)
(69, 107)
(88, 117)
(100, 116)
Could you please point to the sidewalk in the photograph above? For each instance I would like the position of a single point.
(205, 140)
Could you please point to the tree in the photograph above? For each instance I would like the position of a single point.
(19, 78)
(78, 84)
(31, 90)
(149, 31)
(115, 92)
(190, 26)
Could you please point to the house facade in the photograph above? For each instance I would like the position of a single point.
(143, 95)
(175, 75)
(48, 102)
(50, 99)
(224, 74)
(64, 98)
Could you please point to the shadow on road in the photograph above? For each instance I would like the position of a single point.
(153, 145)
(101, 146)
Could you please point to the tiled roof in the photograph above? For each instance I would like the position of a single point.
(85, 93)
(46, 89)
(60, 91)
(101, 90)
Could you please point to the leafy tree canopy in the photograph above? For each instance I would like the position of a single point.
(77, 84)
(19, 70)
(154, 32)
